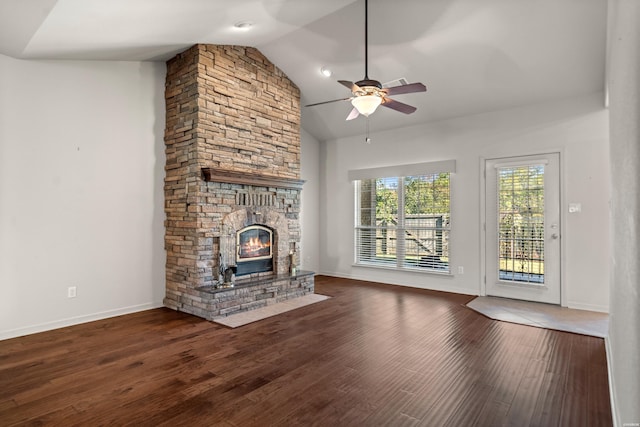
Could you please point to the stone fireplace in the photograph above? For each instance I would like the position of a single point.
(232, 186)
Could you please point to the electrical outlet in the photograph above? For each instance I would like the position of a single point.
(460, 269)
(71, 292)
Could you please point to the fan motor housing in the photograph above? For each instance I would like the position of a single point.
(370, 83)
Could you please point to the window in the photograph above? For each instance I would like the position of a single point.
(404, 222)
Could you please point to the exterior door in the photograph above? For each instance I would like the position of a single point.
(523, 228)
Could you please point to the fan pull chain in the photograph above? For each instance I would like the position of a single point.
(366, 138)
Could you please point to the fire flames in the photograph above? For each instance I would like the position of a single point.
(254, 247)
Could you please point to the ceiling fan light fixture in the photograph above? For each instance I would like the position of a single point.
(366, 104)
(368, 94)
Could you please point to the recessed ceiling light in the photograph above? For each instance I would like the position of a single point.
(326, 72)
(243, 25)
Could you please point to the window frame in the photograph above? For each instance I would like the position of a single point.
(400, 229)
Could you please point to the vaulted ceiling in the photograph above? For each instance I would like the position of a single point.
(473, 55)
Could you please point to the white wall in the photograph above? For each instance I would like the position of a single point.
(578, 128)
(623, 343)
(310, 209)
(81, 198)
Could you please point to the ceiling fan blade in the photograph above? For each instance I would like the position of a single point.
(327, 102)
(398, 106)
(353, 114)
(410, 88)
(350, 85)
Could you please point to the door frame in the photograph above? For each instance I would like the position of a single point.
(483, 214)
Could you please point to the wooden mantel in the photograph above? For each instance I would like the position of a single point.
(248, 178)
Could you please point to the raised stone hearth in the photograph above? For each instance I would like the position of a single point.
(249, 294)
(233, 160)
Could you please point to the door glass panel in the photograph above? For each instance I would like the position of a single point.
(521, 224)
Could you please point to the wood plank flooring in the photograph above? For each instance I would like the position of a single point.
(373, 355)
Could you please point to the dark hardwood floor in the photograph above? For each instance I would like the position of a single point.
(373, 355)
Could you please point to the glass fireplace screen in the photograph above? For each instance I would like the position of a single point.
(254, 243)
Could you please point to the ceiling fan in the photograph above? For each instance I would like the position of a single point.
(368, 94)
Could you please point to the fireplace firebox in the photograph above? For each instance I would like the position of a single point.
(254, 250)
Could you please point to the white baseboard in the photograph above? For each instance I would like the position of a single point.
(333, 274)
(63, 323)
(588, 307)
(612, 393)
(453, 290)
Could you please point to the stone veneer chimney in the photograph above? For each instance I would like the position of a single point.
(233, 157)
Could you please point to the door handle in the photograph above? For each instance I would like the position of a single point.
(554, 236)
